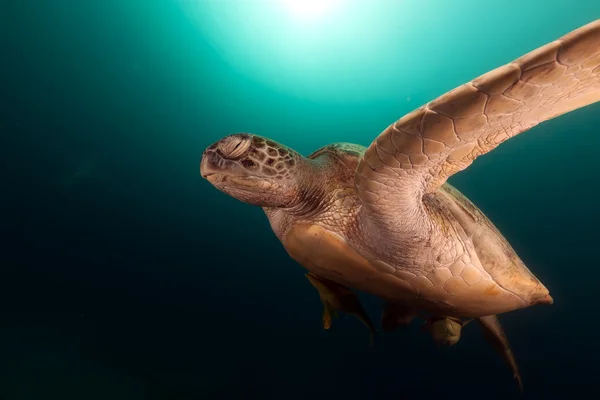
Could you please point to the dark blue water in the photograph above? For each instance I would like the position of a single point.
(124, 275)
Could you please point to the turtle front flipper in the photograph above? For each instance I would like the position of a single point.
(336, 297)
(494, 334)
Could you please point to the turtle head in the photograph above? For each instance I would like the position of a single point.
(253, 169)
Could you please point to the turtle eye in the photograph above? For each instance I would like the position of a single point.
(234, 146)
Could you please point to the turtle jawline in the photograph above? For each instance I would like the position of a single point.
(235, 183)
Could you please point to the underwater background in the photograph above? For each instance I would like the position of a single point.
(124, 275)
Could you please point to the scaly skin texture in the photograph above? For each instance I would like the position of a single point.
(329, 198)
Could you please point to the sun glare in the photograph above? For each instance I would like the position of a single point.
(309, 9)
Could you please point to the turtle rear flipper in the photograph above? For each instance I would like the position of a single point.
(494, 334)
(327, 314)
(338, 298)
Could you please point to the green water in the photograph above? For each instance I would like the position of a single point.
(124, 275)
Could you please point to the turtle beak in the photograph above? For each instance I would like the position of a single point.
(223, 156)
(213, 167)
(209, 167)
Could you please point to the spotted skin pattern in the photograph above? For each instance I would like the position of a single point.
(262, 155)
(272, 158)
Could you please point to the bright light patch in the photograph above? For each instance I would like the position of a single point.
(310, 9)
(342, 50)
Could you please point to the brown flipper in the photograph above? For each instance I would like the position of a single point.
(395, 316)
(419, 152)
(494, 334)
(336, 297)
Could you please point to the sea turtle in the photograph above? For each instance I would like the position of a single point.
(383, 220)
